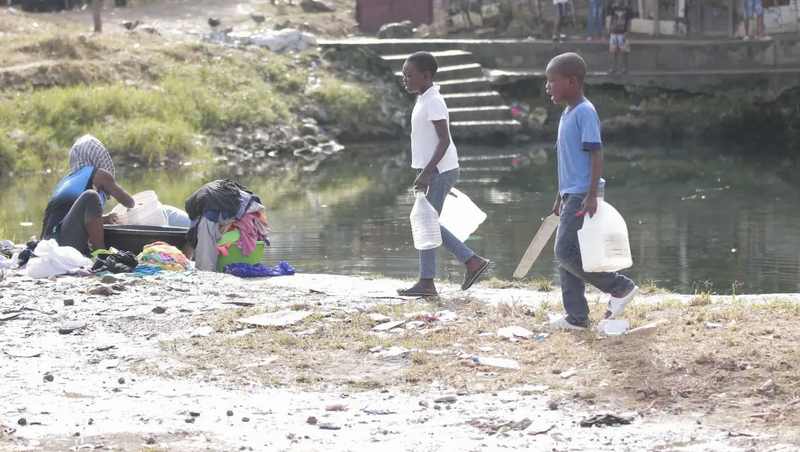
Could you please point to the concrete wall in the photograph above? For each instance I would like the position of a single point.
(660, 55)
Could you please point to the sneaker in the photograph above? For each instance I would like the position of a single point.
(561, 323)
(617, 305)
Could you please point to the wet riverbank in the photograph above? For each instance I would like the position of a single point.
(138, 369)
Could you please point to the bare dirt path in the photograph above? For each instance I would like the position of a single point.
(164, 364)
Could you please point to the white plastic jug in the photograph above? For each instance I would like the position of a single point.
(147, 212)
(425, 229)
(460, 215)
(603, 240)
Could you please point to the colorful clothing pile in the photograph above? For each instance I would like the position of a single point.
(164, 256)
(218, 207)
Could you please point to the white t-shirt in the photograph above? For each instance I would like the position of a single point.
(430, 107)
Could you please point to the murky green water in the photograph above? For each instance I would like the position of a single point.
(696, 222)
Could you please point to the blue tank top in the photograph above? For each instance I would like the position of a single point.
(67, 191)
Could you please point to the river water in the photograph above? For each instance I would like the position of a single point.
(697, 221)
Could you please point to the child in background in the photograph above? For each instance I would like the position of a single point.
(619, 22)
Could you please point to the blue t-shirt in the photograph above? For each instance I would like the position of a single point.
(578, 135)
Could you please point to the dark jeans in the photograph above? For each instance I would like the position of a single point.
(573, 278)
(437, 191)
(72, 231)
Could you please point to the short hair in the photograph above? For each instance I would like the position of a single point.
(424, 62)
(568, 64)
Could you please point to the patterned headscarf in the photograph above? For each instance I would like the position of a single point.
(89, 151)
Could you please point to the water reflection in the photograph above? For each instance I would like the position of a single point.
(694, 223)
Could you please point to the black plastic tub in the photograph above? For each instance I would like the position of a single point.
(134, 238)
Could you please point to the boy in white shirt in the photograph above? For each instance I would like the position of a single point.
(435, 155)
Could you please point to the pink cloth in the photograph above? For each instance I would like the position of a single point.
(250, 227)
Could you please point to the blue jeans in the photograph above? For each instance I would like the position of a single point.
(573, 278)
(595, 22)
(440, 186)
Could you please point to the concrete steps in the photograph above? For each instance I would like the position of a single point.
(445, 58)
(465, 85)
(476, 110)
(460, 71)
(465, 114)
(473, 99)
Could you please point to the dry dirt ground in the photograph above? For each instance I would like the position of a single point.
(171, 363)
(190, 17)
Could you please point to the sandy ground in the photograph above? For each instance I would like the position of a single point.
(127, 381)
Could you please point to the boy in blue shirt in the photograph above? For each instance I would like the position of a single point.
(580, 166)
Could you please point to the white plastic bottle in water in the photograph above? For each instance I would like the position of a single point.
(603, 238)
(425, 227)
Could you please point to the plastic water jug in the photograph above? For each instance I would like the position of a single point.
(603, 240)
(460, 215)
(425, 229)
(147, 212)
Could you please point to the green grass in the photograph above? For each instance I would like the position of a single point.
(162, 111)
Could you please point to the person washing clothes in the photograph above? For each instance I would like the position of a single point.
(74, 213)
(435, 156)
(580, 167)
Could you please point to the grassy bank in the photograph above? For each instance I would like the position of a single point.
(153, 101)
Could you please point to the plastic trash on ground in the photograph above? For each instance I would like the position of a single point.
(460, 215)
(425, 229)
(613, 327)
(52, 260)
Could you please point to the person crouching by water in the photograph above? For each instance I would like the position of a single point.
(74, 214)
(435, 155)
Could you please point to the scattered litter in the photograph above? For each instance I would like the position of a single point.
(378, 412)
(446, 399)
(568, 374)
(528, 390)
(328, 426)
(613, 327)
(446, 316)
(492, 427)
(386, 326)
(336, 407)
(394, 353)
(501, 363)
(650, 328)
(109, 363)
(9, 316)
(768, 387)
(541, 337)
(379, 318)
(277, 319)
(244, 304)
(415, 324)
(203, 331)
(713, 325)
(602, 420)
(23, 352)
(513, 332)
(69, 327)
(541, 431)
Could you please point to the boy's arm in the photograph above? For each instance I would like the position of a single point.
(424, 178)
(590, 202)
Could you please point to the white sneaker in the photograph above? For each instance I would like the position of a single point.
(617, 305)
(561, 323)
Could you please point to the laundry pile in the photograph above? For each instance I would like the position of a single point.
(219, 207)
(164, 256)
